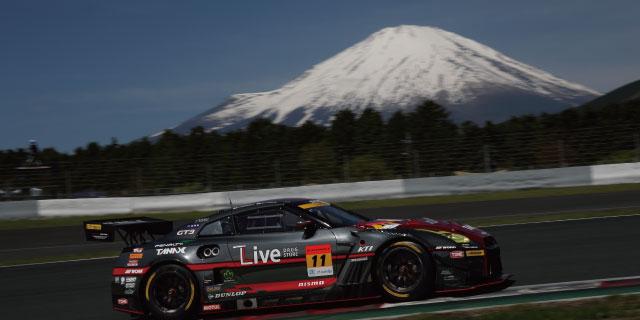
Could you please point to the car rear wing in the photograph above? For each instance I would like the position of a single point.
(131, 230)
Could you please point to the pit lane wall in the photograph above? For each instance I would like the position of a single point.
(400, 188)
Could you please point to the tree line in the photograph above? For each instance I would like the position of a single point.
(355, 147)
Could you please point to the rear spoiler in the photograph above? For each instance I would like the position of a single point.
(131, 230)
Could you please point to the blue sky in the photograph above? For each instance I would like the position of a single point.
(72, 72)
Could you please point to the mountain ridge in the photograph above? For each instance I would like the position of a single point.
(396, 68)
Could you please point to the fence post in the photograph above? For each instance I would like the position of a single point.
(276, 168)
(637, 138)
(561, 158)
(486, 155)
(346, 169)
(139, 180)
(208, 173)
(67, 184)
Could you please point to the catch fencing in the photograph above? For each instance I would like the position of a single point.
(496, 181)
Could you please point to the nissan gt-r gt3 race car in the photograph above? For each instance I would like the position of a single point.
(291, 252)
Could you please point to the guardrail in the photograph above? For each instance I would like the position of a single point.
(399, 188)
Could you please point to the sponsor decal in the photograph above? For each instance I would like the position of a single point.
(91, 226)
(430, 221)
(445, 247)
(138, 250)
(132, 263)
(186, 232)
(365, 249)
(129, 291)
(134, 271)
(258, 256)
(211, 307)
(384, 225)
(191, 226)
(319, 261)
(212, 289)
(130, 285)
(130, 279)
(359, 259)
(311, 284)
(123, 301)
(135, 256)
(228, 275)
(167, 245)
(231, 294)
(122, 281)
(468, 227)
(116, 279)
(101, 236)
(164, 251)
(475, 253)
(289, 252)
(456, 254)
(201, 220)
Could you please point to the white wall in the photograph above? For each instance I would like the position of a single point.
(482, 182)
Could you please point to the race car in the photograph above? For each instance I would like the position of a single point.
(287, 252)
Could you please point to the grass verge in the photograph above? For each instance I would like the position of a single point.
(625, 307)
(64, 257)
(35, 223)
(549, 217)
(490, 196)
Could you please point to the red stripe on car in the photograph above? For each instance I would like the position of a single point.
(209, 266)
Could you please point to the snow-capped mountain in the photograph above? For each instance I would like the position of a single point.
(396, 69)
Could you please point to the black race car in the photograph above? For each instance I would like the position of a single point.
(291, 252)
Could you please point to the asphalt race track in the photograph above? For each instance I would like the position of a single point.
(535, 253)
(61, 241)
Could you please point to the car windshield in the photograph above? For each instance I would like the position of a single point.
(336, 216)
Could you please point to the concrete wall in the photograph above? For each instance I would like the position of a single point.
(482, 182)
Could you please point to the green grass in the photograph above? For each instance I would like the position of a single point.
(16, 224)
(615, 307)
(514, 219)
(64, 257)
(34, 223)
(490, 196)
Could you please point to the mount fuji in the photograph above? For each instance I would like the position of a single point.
(397, 68)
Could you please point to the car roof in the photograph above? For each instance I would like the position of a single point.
(261, 204)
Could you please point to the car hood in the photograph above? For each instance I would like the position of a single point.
(427, 224)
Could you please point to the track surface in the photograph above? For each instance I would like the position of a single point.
(60, 241)
(535, 253)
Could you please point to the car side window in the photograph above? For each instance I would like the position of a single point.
(266, 221)
(220, 227)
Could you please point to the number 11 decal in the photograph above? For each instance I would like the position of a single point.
(319, 262)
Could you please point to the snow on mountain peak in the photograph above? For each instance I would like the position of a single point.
(395, 69)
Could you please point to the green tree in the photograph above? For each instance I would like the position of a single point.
(318, 163)
(368, 167)
(369, 132)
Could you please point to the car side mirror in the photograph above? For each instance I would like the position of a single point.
(309, 226)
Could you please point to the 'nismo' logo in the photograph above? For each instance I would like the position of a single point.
(170, 251)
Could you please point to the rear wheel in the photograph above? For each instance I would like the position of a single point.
(404, 272)
(170, 293)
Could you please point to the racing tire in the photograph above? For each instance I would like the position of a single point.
(404, 272)
(170, 293)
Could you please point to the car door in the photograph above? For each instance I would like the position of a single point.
(273, 255)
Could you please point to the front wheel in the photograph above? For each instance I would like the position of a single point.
(404, 272)
(170, 293)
